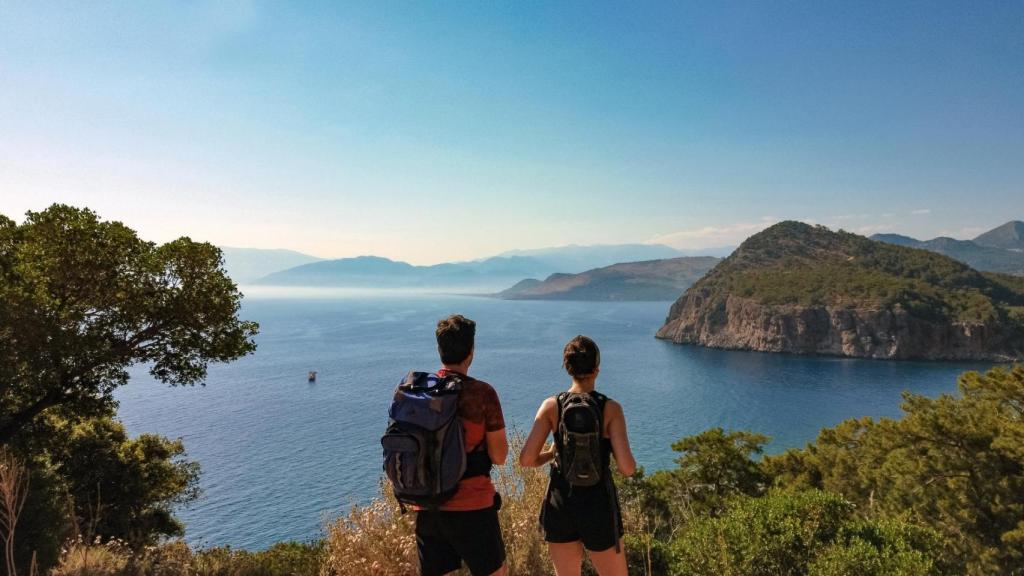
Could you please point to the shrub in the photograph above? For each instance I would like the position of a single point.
(807, 532)
(953, 464)
(887, 548)
(775, 535)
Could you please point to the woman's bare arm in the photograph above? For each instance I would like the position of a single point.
(533, 453)
(620, 440)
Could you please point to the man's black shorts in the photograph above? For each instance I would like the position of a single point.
(445, 540)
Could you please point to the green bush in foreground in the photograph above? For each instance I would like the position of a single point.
(953, 464)
(797, 533)
(885, 548)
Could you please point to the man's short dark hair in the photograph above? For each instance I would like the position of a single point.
(581, 357)
(455, 335)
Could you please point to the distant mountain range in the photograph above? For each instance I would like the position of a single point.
(377, 272)
(808, 290)
(998, 250)
(489, 274)
(244, 265)
(1009, 236)
(661, 279)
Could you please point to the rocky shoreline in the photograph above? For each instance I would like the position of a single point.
(746, 324)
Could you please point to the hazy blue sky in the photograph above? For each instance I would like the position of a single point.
(460, 129)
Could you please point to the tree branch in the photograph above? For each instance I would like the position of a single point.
(11, 425)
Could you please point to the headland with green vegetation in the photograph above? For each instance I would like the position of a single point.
(806, 289)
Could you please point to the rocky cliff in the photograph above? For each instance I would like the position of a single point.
(746, 324)
(807, 290)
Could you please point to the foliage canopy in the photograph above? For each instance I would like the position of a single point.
(82, 299)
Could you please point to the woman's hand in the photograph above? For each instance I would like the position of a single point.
(547, 454)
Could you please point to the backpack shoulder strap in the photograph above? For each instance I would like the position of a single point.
(601, 401)
(559, 403)
(423, 380)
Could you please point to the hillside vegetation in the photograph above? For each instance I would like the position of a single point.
(785, 273)
(795, 263)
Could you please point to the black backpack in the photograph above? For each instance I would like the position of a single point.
(424, 447)
(580, 454)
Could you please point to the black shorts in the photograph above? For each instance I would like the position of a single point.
(590, 515)
(444, 540)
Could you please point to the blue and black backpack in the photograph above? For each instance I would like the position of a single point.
(424, 445)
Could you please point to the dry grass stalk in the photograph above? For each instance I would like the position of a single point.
(372, 539)
(83, 558)
(522, 491)
(14, 482)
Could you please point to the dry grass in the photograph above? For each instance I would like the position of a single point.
(372, 539)
(522, 492)
(80, 558)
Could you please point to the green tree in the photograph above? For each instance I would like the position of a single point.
(712, 467)
(954, 464)
(82, 299)
(126, 488)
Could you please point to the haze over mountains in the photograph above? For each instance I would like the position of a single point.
(573, 259)
(601, 272)
(998, 250)
(489, 274)
(245, 265)
(661, 279)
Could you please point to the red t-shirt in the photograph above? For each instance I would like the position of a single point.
(480, 412)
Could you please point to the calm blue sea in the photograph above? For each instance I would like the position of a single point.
(279, 454)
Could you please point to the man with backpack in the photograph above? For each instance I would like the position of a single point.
(445, 433)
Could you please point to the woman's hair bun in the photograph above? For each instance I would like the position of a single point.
(581, 357)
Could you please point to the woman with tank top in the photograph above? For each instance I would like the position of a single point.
(581, 508)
